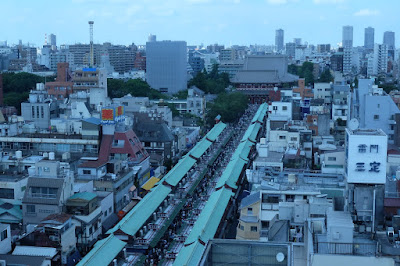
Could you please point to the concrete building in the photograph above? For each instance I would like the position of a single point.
(347, 44)
(369, 38)
(374, 109)
(279, 40)
(291, 50)
(380, 59)
(61, 88)
(323, 91)
(5, 238)
(53, 41)
(340, 102)
(166, 66)
(347, 36)
(366, 154)
(389, 41)
(40, 108)
(48, 188)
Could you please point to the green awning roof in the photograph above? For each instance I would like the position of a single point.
(103, 252)
(205, 228)
(216, 131)
(179, 171)
(136, 218)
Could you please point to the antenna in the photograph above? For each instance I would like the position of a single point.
(91, 43)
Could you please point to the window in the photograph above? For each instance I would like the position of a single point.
(30, 208)
(110, 210)
(87, 172)
(6, 193)
(265, 224)
(290, 198)
(46, 169)
(241, 227)
(284, 108)
(282, 137)
(331, 159)
(293, 139)
(362, 148)
(250, 211)
(44, 192)
(91, 230)
(275, 108)
(253, 228)
(3, 235)
(376, 117)
(379, 106)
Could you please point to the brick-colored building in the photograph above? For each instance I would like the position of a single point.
(62, 87)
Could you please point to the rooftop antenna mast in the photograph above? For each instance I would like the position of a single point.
(91, 43)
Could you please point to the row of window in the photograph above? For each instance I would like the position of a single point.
(252, 228)
(37, 114)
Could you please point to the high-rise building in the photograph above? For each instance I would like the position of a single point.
(388, 39)
(347, 36)
(297, 41)
(291, 49)
(166, 63)
(347, 43)
(53, 41)
(323, 48)
(380, 65)
(152, 38)
(369, 38)
(279, 38)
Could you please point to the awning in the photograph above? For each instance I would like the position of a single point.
(150, 183)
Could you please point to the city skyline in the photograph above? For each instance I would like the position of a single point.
(197, 21)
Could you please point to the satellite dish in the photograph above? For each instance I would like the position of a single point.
(353, 124)
(280, 257)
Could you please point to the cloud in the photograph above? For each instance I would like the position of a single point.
(328, 1)
(276, 2)
(366, 12)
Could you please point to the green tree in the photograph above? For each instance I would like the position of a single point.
(181, 94)
(212, 82)
(16, 87)
(229, 105)
(293, 69)
(326, 76)
(136, 87)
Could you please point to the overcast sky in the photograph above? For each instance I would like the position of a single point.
(196, 21)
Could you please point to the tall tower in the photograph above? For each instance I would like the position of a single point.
(369, 38)
(347, 37)
(91, 43)
(279, 40)
(347, 43)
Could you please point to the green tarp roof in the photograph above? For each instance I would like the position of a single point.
(231, 173)
(216, 131)
(179, 171)
(135, 219)
(84, 195)
(103, 252)
(205, 227)
(200, 148)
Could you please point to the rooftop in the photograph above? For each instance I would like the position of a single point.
(366, 132)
